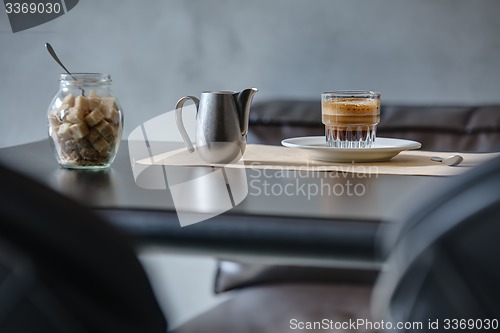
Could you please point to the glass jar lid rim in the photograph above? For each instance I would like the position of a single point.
(85, 77)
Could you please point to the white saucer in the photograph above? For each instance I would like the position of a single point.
(384, 149)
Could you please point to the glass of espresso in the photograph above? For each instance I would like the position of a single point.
(350, 118)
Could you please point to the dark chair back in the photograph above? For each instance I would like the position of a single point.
(443, 261)
(63, 269)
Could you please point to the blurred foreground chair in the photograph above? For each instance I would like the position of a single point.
(443, 261)
(62, 269)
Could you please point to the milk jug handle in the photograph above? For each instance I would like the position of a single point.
(180, 124)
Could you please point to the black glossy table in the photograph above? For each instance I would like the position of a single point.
(335, 225)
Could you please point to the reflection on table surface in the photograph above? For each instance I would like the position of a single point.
(299, 213)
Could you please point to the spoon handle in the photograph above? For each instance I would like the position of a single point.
(56, 58)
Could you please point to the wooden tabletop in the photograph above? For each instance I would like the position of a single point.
(320, 215)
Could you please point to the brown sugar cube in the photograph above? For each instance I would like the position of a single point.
(93, 100)
(81, 102)
(93, 135)
(60, 112)
(70, 144)
(108, 103)
(74, 115)
(69, 100)
(113, 116)
(104, 128)
(64, 131)
(110, 110)
(78, 131)
(94, 117)
(54, 121)
(73, 157)
(100, 145)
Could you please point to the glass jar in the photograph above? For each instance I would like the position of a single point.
(85, 121)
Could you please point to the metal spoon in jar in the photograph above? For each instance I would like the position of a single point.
(451, 161)
(56, 58)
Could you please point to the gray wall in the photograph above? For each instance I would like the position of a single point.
(414, 52)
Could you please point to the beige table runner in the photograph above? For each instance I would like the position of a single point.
(283, 158)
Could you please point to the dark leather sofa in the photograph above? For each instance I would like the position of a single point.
(438, 128)
(270, 295)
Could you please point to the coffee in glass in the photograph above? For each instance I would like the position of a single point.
(350, 118)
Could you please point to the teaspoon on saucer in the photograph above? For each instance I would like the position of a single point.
(451, 161)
